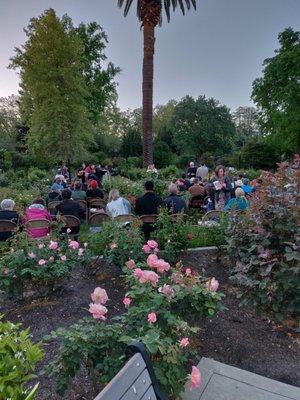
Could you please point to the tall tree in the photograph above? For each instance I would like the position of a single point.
(149, 12)
(202, 125)
(53, 89)
(277, 93)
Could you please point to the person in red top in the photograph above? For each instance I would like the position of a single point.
(37, 210)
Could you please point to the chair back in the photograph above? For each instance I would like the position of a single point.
(196, 202)
(178, 217)
(98, 219)
(213, 216)
(149, 219)
(38, 224)
(82, 203)
(52, 207)
(71, 221)
(125, 218)
(96, 202)
(7, 226)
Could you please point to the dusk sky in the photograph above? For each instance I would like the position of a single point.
(217, 51)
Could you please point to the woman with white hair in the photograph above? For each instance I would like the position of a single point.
(239, 202)
(117, 205)
(7, 213)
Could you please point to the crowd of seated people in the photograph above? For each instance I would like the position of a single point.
(215, 191)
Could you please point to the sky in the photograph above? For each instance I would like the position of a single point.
(216, 51)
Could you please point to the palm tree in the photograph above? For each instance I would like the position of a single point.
(149, 12)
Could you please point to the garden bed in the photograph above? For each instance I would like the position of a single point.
(237, 336)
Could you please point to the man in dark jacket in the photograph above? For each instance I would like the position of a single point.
(174, 203)
(148, 204)
(69, 207)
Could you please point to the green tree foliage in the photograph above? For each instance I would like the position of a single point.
(162, 154)
(277, 93)
(99, 80)
(131, 143)
(202, 125)
(64, 87)
(258, 154)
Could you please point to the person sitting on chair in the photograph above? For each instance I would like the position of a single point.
(239, 202)
(148, 204)
(94, 190)
(117, 205)
(78, 193)
(37, 210)
(70, 207)
(7, 213)
(174, 203)
(197, 189)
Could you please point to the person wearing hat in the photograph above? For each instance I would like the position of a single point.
(94, 190)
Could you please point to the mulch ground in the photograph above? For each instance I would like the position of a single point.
(236, 336)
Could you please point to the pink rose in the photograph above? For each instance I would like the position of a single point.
(80, 252)
(74, 245)
(166, 290)
(195, 378)
(152, 318)
(184, 342)
(152, 260)
(41, 246)
(113, 246)
(126, 301)
(31, 255)
(188, 271)
(63, 258)
(212, 285)
(42, 262)
(98, 311)
(152, 244)
(146, 249)
(162, 266)
(69, 230)
(146, 276)
(53, 245)
(130, 264)
(99, 296)
(5, 271)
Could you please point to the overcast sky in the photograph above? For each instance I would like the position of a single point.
(216, 51)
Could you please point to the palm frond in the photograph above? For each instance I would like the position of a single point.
(127, 5)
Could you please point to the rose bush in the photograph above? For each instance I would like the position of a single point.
(39, 265)
(155, 312)
(18, 357)
(264, 245)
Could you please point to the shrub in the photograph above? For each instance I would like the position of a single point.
(38, 264)
(169, 172)
(18, 357)
(156, 315)
(117, 243)
(264, 246)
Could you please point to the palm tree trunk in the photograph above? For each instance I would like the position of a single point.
(147, 138)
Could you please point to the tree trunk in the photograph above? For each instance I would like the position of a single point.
(147, 138)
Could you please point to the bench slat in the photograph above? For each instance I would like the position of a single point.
(139, 387)
(150, 394)
(120, 384)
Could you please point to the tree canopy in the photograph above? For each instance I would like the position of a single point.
(63, 88)
(277, 93)
(202, 125)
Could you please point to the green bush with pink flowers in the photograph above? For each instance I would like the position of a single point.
(159, 309)
(38, 265)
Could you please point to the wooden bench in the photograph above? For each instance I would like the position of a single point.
(136, 380)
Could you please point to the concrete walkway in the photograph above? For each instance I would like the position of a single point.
(223, 382)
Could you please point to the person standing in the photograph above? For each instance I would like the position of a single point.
(221, 188)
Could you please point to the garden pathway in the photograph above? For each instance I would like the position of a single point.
(223, 382)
